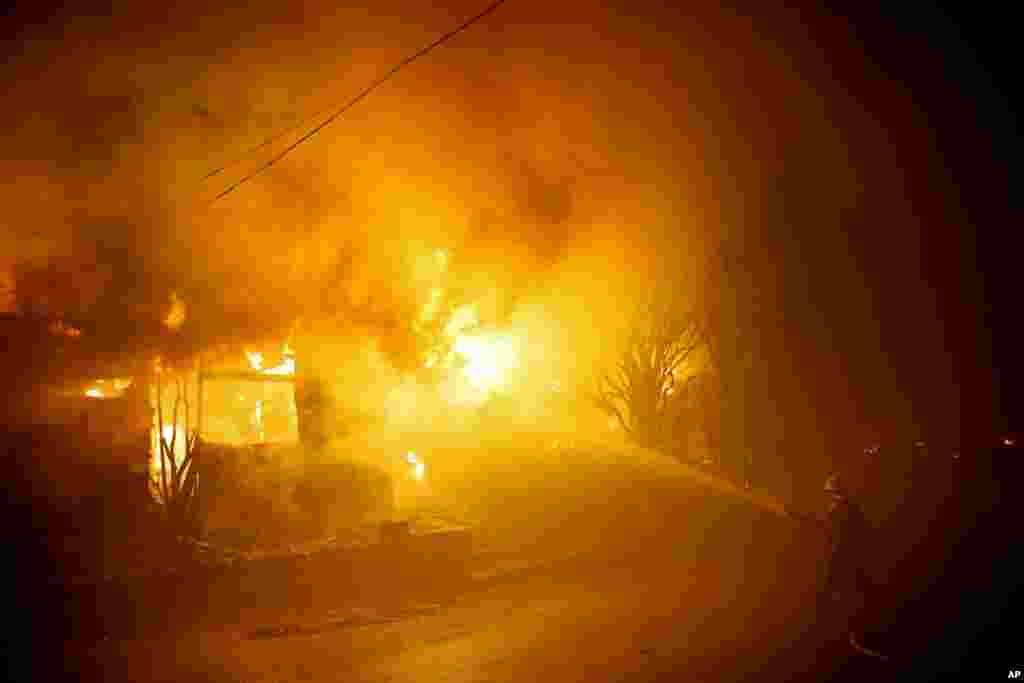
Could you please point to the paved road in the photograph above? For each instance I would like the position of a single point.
(612, 623)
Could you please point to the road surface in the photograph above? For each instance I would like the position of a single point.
(636, 621)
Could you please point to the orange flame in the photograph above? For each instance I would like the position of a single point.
(255, 359)
(488, 357)
(103, 388)
(479, 360)
(418, 467)
(285, 367)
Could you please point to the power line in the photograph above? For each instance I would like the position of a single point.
(348, 105)
(265, 143)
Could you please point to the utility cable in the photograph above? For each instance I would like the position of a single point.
(348, 105)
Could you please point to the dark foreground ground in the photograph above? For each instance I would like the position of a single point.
(714, 591)
(605, 623)
(655, 617)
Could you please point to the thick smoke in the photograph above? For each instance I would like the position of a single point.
(565, 156)
(479, 150)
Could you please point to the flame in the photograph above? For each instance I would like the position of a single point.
(488, 358)
(463, 319)
(418, 467)
(285, 367)
(255, 359)
(258, 415)
(168, 433)
(433, 305)
(478, 361)
(104, 388)
(472, 360)
(175, 317)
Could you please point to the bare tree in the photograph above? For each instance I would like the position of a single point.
(648, 391)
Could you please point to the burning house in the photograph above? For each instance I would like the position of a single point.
(116, 404)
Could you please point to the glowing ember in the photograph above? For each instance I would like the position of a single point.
(61, 329)
(95, 393)
(176, 315)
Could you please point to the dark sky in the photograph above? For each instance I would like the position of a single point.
(915, 304)
(982, 144)
(951, 274)
(858, 160)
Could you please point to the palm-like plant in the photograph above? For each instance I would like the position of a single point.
(177, 482)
